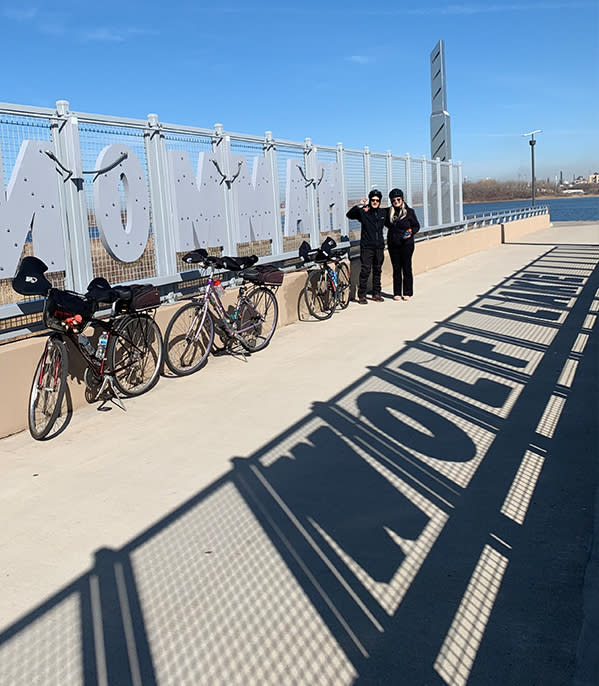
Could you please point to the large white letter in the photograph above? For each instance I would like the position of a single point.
(330, 197)
(296, 201)
(124, 243)
(199, 203)
(31, 202)
(254, 199)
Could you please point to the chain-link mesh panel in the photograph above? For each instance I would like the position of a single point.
(456, 195)
(94, 138)
(378, 176)
(356, 187)
(14, 130)
(294, 156)
(434, 218)
(417, 181)
(445, 194)
(398, 171)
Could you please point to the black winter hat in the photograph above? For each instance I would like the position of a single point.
(396, 193)
(375, 194)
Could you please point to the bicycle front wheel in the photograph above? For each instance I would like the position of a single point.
(343, 291)
(135, 354)
(319, 295)
(188, 339)
(258, 317)
(48, 388)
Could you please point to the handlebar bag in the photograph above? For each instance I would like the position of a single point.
(67, 310)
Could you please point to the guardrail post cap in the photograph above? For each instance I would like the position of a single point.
(152, 119)
(62, 107)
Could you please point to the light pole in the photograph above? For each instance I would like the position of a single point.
(532, 159)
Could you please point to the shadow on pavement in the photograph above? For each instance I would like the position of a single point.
(430, 524)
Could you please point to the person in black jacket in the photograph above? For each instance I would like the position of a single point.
(372, 244)
(403, 225)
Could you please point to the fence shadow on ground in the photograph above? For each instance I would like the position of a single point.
(391, 536)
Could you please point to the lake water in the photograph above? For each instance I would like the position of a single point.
(573, 209)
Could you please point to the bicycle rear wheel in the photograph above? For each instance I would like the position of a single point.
(343, 291)
(319, 295)
(258, 317)
(48, 388)
(135, 354)
(188, 339)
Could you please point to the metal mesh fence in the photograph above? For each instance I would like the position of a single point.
(418, 191)
(378, 175)
(93, 139)
(14, 130)
(294, 156)
(356, 187)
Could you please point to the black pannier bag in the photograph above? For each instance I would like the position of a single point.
(265, 274)
(67, 310)
(144, 296)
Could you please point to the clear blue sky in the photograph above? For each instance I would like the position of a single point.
(355, 72)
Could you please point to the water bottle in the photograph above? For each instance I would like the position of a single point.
(83, 341)
(218, 287)
(102, 341)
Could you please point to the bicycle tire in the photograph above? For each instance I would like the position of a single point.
(343, 285)
(259, 310)
(135, 352)
(48, 388)
(188, 339)
(318, 294)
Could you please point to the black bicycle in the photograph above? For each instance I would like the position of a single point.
(128, 356)
(328, 282)
(192, 332)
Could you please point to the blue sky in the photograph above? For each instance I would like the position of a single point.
(350, 72)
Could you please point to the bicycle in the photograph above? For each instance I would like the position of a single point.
(128, 357)
(327, 287)
(191, 333)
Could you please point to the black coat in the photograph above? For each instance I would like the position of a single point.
(372, 223)
(399, 227)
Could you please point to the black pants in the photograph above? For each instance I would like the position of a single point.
(371, 259)
(401, 259)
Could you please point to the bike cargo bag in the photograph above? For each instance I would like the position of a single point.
(265, 274)
(67, 310)
(144, 296)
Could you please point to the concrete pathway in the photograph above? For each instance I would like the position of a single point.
(404, 494)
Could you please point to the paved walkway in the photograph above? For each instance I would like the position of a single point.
(404, 494)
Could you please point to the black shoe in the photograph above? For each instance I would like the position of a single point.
(378, 298)
(362, 300)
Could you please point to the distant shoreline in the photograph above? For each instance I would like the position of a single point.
(529, 199)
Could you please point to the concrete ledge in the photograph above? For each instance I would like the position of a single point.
(19, 359)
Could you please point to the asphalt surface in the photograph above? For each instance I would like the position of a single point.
(404, 494)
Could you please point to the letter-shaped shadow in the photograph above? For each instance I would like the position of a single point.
(443, 440)
(329, 483)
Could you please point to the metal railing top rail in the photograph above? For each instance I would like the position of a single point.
(102, 119)
(539, 209)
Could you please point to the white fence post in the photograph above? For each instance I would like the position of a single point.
(341, 163)
(75, 224)
(367, 175)
(159, 183)
(389, 161)
(424, 191)
(451, 207)
(460, 194)
(439, 191)
(311, 165)
(270, 153)
(408, 179)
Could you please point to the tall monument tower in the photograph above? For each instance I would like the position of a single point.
(440, 125)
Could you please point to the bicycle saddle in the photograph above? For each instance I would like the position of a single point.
(101, 291)
(196, 256)
(236, 264)
(30, 279)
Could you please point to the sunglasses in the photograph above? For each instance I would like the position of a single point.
(395, 199)
(375, 200)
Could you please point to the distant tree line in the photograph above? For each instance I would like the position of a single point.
(489, 190)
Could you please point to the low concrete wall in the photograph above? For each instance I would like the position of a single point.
(19, 359)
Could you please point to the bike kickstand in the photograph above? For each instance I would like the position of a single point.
(108, 382)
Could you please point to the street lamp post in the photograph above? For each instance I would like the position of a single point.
(532, 159)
